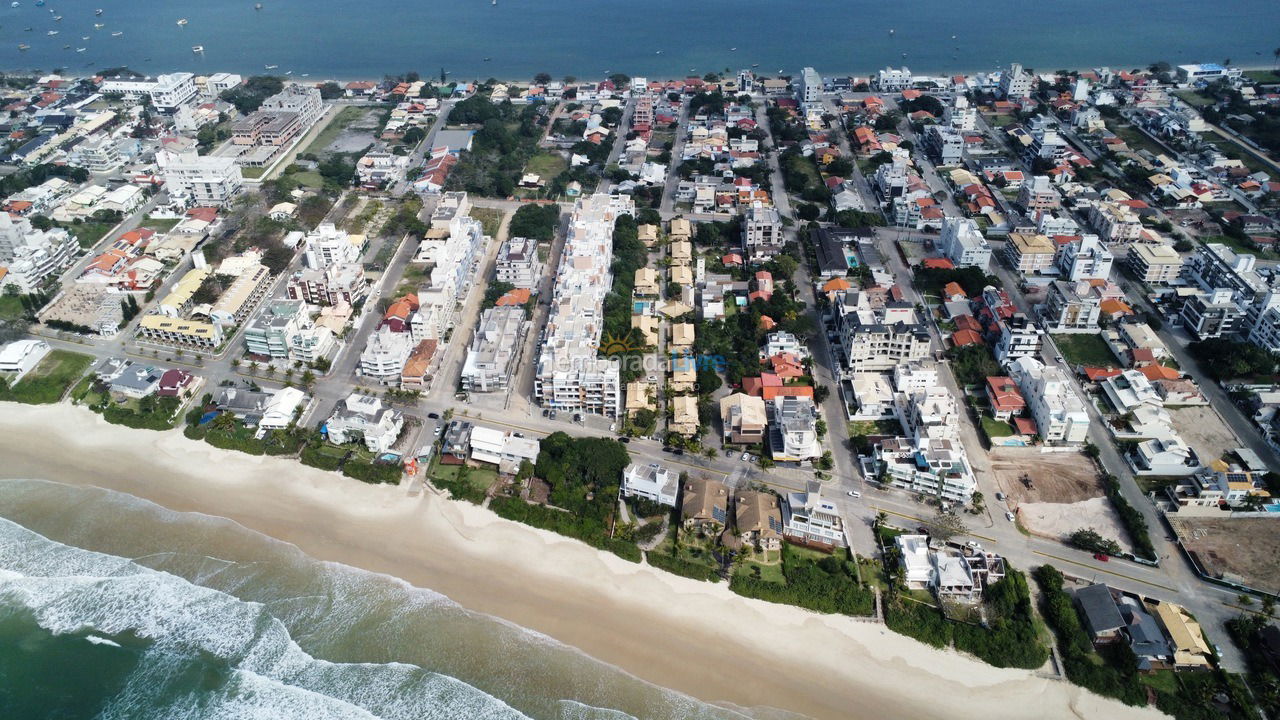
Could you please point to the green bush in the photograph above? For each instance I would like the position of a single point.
(375, 473)
(918, 620)
(683, 568)
(314, 456)
(828, 585)
(159, 416)
(586, 529)
(1011, 639)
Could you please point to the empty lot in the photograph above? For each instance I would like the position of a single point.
(1064, 477)
(1204, 431)
(1236, 549)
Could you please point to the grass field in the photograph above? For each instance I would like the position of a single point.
(1234, 151)
(10, 306)
(1085, 349)
(253, 172)
(49, 380)
(340, 122)
(769, 573)
(1136, 139)
(160, 225)
(546, 165)
(995, 428)
(1263, 76)
(309, 179)
(88, 233)
(490, 219)
(1193, 98)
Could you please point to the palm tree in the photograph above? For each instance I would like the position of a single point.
(881, 518)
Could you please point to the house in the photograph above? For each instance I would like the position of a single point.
(1146, 639)
(20, 356)
(1005, 398)
(913, 557)
(501, 448)
(758, 519)
(1101, 615)
(1190, 651)
(744, 419)
(684, 416)
(810, 518)
(282, 409)
(704, 508)
(653, 482)
(792, 429)
(363, 417)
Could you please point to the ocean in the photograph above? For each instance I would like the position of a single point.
(114, 607)
(514, 39)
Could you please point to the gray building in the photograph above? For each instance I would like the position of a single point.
(491, 358)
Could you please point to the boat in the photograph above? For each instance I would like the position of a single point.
(117, 33)
(257, 6)
(15, 3)
(892, 31)
(98, 26)
(197, 48)
(487, 59)
(657, 52)
(39, 3)
(755, 64)
(270, 67)
(84, 37)
(24, 47)
(57, 18)
(81, 49)
(53, 32)
(733, 49)
(98, 11)
(182, 21)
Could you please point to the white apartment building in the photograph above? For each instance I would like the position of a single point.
(491, 359)
(1085, 259)
(962, 242)
(894, 79)
(571, 374)
(793, 435)
(384, 355)
(29, 256)
(1015, 83)
(173, 90)
(327, 245)
(960, 115)
(302, 99)
(1059, 412)
(809, 92)
(97, 155)
(1029, 253)
(200, 180)
(653, 482)
(518, 263)
(878, 339)
(762, 237)
(218, 83)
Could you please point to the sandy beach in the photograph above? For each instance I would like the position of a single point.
(694, 637)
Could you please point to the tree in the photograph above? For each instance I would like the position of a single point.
(944, 526)
(978, 501)
(881, 518)
(542, 78)
(1089, 540)
(330, 90)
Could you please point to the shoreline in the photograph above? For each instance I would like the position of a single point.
(697, 638)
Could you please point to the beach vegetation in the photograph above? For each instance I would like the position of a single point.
(249, 95)
(49, 380)
(538, 222)
(814, 581)
(500, 148)
(1085, 349)
(584, 475)
(972, 364)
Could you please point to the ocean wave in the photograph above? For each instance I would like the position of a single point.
(414, 638)
(187, 623)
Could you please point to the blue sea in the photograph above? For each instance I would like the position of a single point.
(112, 607)
(513, 39)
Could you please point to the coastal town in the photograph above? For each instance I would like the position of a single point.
(992, 360)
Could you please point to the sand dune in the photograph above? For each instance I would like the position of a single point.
(694, 637)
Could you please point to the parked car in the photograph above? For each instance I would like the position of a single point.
(667, 448)
(434, 416)
(973, 544)
(854, 494)
(624, 439)
(1000, 496)
(1100, 557)
(1008, 516)
(678, 451)
(613, 427)
(746, 457)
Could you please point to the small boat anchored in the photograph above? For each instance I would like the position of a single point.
(81, 49)
(98, 11)
(182, 22)
(197, 48)
(15, 3)
(117, 33)
(53, 32)
(270, 67)
(23, 47)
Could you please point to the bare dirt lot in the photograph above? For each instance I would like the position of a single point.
(1204, 431)
(1060, 520)
(1064, 477)
(1237, 549)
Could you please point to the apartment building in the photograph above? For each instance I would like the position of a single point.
(1085, 258)
(962, 242)
(571, 374)
(30, 257)
(518, 263)
(809, 90)
(810, 517)
(793, 433)
(879, 339)
(1070, 306)
(1155, 263)
(1029, 253)
(1039, 195)
(1059, 412)
(172, 90)
(196, 335)
(385, 354)
(200, 180)
(283, 330)
(1015, 83)
(762, 236)
(491, 358)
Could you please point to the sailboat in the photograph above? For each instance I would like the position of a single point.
(271, 67)
(81, 49)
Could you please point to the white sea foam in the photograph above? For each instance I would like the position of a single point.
(99, 640)
(79, 590)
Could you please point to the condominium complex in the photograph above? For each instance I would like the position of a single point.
(963, 243)
(491, 359)
(877, 339)
(28, 257)
(1155, 263)
(571, 374)
(518, 263)
(761, 233)
(1058, 411)
(200, 180)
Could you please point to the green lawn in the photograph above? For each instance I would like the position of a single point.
(490, 219)
(10, 306)
(1136, 139)
(88, 233)
(769, 573)
(160, 225)
(546, 165)
(1262, 76)
(49, 380)
(478, 478)
(995, 428)
(340, 122)
(1085, 349)
(1235, 152)
(1193, 98)
(253, 172)
(309, 179)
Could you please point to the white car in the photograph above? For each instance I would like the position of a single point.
(746, 457)
(1008, 516)
(854, 494)
(613, 427)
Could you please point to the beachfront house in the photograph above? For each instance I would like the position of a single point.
(364, 418)
(653, 482)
